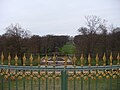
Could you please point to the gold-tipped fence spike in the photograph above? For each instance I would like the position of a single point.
(39, 60)
(118, 59)
(104, 59)
(46, 60)
(81, 59)
(65, 61)
(16, 60)
(24, 60)
(74, 61)
(54, 59)
(97, 58)
(2, 58)
(9, 58)
(111, 58)
(31, 60)
(89, 60)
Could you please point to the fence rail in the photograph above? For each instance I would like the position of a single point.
(64, 77)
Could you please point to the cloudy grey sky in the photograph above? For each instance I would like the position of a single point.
(58, 17)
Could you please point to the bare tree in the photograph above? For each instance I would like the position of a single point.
(17, 31)
(83, 30)
(16, 34)
(94, 25)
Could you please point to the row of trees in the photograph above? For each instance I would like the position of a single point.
(96, 37)
(16, 40)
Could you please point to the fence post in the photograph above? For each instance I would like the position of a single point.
(2, 79)
(63, 80)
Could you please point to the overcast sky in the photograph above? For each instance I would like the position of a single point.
(58, 17)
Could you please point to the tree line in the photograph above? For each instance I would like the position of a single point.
(18, 41)
(94, 38)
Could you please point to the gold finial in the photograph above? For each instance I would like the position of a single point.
(118, 59)
(31, 59)
(16, 60)
(54, 60)
(46, 60)
(81, 59)
(39, 60)
(111, 58)
(65, 63)
(9, 58)
(89, 60)
(74, 61)
(97, 58)
(24, 59)
(104, 60)
(2, 58)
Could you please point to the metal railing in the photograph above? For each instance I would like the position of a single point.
(64, 77)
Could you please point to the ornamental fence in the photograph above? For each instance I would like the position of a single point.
(47, 75)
